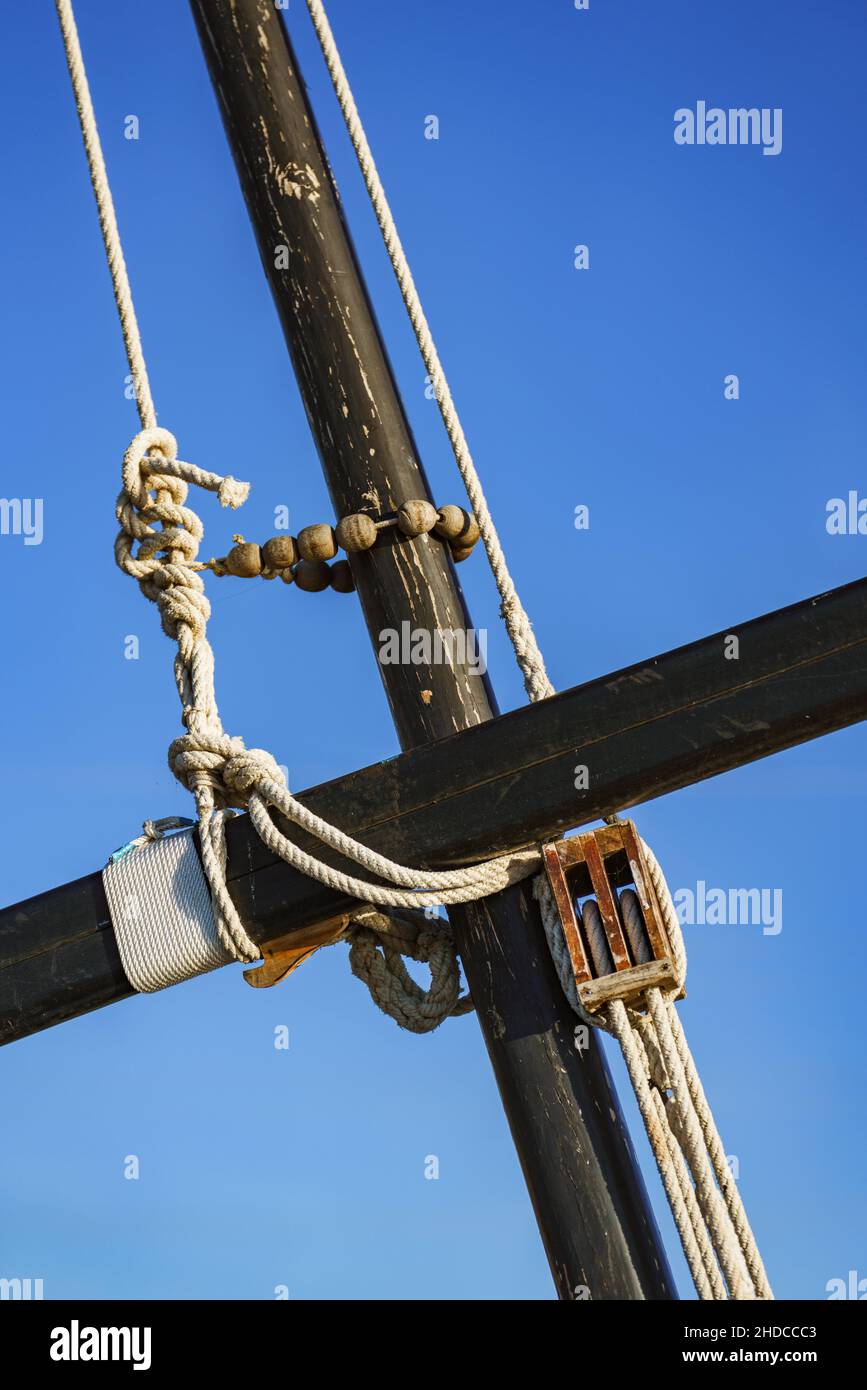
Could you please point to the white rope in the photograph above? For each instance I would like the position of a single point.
(107, 218)
(709, 1214)
(669, 1160)
(520, 630)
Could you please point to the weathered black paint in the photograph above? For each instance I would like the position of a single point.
(589, 1200)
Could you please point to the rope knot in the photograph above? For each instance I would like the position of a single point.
(210, 758)
(198, 759)
(136, 472)
(246, 769)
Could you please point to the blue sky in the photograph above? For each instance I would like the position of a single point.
(601, 387)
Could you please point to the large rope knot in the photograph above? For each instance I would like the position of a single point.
(210, 758)
(198, 758)
(155, 485)
(153, 495)
(248, 769)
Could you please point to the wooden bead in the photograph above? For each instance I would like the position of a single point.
(416, 518)
(341, 577)
(317, 543)
(356, 532)
(451, 521)
(280, 552)
(312, 575)
(457, 526)
(244, 560)
(461, 552)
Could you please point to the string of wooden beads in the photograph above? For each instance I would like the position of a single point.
(304, 559)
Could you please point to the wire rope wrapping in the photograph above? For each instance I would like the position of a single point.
(160, 907)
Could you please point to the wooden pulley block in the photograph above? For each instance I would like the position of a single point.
(597, 865)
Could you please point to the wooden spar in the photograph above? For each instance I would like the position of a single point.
(658, 726)
(588, 1196)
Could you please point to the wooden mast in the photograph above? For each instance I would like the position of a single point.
(590, 1202)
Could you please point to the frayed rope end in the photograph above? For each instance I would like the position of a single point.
(233, 493)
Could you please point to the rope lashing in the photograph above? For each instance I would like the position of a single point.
(718, 1242)
(164, 925)
(160, 906)
(217, 768)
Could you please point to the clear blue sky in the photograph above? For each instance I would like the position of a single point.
(602, 387)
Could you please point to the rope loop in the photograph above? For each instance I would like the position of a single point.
(378, 944)
(137, 466)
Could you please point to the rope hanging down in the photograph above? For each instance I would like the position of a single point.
(221, 773)
(712, 1223)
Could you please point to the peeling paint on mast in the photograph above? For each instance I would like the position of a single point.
(589, 1200)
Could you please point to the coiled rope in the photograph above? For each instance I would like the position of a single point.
(221, 773)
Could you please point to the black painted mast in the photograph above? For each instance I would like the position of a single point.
(590, 1203)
